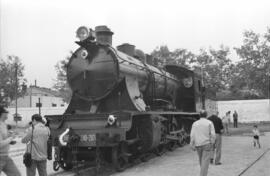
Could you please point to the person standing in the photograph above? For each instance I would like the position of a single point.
(226, 121)
(39, 136)
(256, 136)
(218, 142)
(202, 137)
(235, 119)
(6, 163)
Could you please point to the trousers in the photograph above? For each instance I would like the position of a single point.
(216, 151)
(204, 153)
(41, 166)
(226, 128)
(8, 167)
(235, 123)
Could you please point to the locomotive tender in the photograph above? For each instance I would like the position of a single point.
(122, 105)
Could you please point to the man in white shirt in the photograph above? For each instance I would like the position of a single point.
(202, 138)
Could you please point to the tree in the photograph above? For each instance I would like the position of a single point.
(215, 66)
(61, 84)
(180, 56)
(183, 57)
(255, 59)
(8, 68)
(163, 54)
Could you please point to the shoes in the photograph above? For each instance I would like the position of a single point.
(219, 163)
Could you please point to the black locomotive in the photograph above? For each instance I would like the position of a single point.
(123, 105)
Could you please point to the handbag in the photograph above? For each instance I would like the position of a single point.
(27, 157)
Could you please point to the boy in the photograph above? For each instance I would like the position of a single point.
(256, 134)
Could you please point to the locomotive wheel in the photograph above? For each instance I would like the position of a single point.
(66, 159)
(160, 150)
(172, 145)
(119, 160)
(183, 139)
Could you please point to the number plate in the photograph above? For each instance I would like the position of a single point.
(88, 137)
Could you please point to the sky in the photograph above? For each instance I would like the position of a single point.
(42, 32)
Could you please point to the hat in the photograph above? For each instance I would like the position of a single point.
(3, 110)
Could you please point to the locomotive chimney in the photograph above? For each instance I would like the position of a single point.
(103, 35)
(127, 49)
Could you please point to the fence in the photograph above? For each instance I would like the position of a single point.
(248, 110)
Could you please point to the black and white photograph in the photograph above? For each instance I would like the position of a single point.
(134, 88)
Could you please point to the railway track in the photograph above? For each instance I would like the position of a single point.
(254, 162)
(106, 169)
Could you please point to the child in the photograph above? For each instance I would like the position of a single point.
(256, 135)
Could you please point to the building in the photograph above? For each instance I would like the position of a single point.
(48, 98)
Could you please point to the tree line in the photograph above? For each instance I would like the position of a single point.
(245, 77)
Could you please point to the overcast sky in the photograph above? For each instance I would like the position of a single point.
(42, 32)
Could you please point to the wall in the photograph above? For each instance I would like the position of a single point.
(46, 101)
(27, 113)
(248, 110)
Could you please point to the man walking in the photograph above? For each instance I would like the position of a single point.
(6, 163)
(235, 119)
(39, 136)
(217, 145)
(202, 137)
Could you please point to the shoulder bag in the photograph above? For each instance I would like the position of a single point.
(27, 157)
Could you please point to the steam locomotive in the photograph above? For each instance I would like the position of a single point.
(123, 104)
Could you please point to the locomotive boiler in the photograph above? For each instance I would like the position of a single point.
(123, 104)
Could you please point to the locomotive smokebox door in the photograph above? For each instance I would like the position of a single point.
(92, 79)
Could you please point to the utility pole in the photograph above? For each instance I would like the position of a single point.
(2, 95)
(39, 106)
(16, 91)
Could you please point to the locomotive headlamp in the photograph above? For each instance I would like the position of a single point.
(84, 53)
(62, 140)
(82, 33)
(111, 119)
